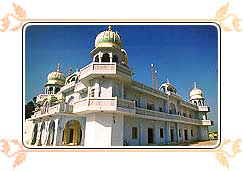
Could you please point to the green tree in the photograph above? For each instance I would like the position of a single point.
(29, 109)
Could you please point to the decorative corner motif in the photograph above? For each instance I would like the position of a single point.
(223, 156)
(223, 18)
(19, 16)
(18, 155)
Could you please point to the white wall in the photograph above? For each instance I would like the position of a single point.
(144, 124)
(117, 130)
(98, 131)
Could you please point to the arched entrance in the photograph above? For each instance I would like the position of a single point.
(51, 133)
(34, 134)
(72, 133)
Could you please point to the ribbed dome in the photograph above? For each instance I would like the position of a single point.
(196, 93)
(108, 38)
(168, 87)
(56, 77)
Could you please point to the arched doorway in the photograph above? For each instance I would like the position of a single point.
(34, 134)
(72, 133)
(51, 133)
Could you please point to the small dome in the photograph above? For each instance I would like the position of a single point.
(56, 77)
(108, 38)
(196, 93)
(168, 87)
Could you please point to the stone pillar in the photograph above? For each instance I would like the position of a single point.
(110, 55)
(38, 137)
(75, 133)
(47, 123)
(177, 133)
(59, 127)
(167, 132)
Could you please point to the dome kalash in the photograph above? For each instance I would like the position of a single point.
(56, 77)
(108, 38)
(196, 93)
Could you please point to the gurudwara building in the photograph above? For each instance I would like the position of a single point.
(100, 106)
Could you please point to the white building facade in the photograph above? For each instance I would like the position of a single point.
(101, 106)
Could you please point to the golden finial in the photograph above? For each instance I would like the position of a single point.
(58, 67)
(195, 85)
(69, 71)
(109, 28)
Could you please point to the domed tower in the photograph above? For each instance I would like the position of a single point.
(168, 87)
(196, 96)
(108, 48)
(55, 80)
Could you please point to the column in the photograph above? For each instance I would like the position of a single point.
(75, 132)
(177, 133)
(54, 88)
(167, 132)
(100, 56)
(110, 55)
(58, 132)
(47, 123)
(38, 137)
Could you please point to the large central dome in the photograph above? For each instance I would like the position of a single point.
(108, 38)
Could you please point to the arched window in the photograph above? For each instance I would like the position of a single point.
(195, 103)
(105, 58)
(115, 58)
(199, 103)
(71, 100)
(172, 109)
(165, 107)
(50, 90)
(96, 58)
(57, 89)
(73, 79)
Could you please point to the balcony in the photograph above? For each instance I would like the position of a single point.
(95, 69)
(207, 122)
(189, 105)
(59, 108)
(167, 117)
(147, 89)
(113, 104)
(68, 87)
(203, 109)
(80, 87)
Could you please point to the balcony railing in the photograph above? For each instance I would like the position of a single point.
(190, 105)
(207, 122)
(80, 86)
(59, 108)
(148, 89)
(40, 97)
(68, 86)
(203, 108)
(169, 117)
(104, 104)
(104, 68)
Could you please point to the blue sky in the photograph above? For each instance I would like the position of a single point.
(181, 53)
